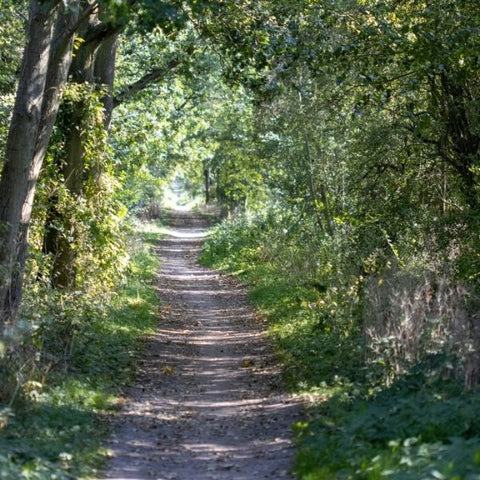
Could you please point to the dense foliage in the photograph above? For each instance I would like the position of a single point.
(86, 347)
(364, 256)
(378, 412)
(341, 138)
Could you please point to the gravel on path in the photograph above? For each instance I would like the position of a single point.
(208, 401)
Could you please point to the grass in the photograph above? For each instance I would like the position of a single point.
(55, 429)
(422, 426)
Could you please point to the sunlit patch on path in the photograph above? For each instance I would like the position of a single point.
(208, 403)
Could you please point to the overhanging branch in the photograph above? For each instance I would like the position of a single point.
(155, 75)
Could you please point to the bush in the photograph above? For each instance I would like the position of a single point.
(382, 339)
(65, 373)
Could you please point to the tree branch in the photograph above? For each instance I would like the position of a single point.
(155, 75)
(83, 17)
(103, 29)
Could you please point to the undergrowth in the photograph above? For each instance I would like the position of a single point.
(54, 426)
(369, 420)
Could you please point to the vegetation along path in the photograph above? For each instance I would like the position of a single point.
(208, 403)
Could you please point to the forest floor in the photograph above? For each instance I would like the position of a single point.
(208, 402)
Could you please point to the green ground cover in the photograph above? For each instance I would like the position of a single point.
(421, 425)
(55, 426)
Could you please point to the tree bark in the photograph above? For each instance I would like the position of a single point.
(94, 64)
(20, 148)
(206, 176)
(60, 60)
(104, 73)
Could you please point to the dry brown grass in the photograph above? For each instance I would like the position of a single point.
(408, 316)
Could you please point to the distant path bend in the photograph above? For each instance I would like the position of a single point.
(208, 403)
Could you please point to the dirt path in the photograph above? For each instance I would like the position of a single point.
(207, 404)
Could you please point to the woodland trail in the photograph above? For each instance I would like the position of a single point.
(208, 403)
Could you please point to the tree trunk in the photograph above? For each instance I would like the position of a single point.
(59, 65)
(104, 73)
(313, 191)
(93, 63)
(20, 148)
(206, 174)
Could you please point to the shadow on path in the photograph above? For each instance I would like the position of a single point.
(208, 403)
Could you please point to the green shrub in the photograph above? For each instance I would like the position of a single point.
(407, 431)
(381, 339)
(69, 369)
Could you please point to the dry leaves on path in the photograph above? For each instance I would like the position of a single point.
(207, 403)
